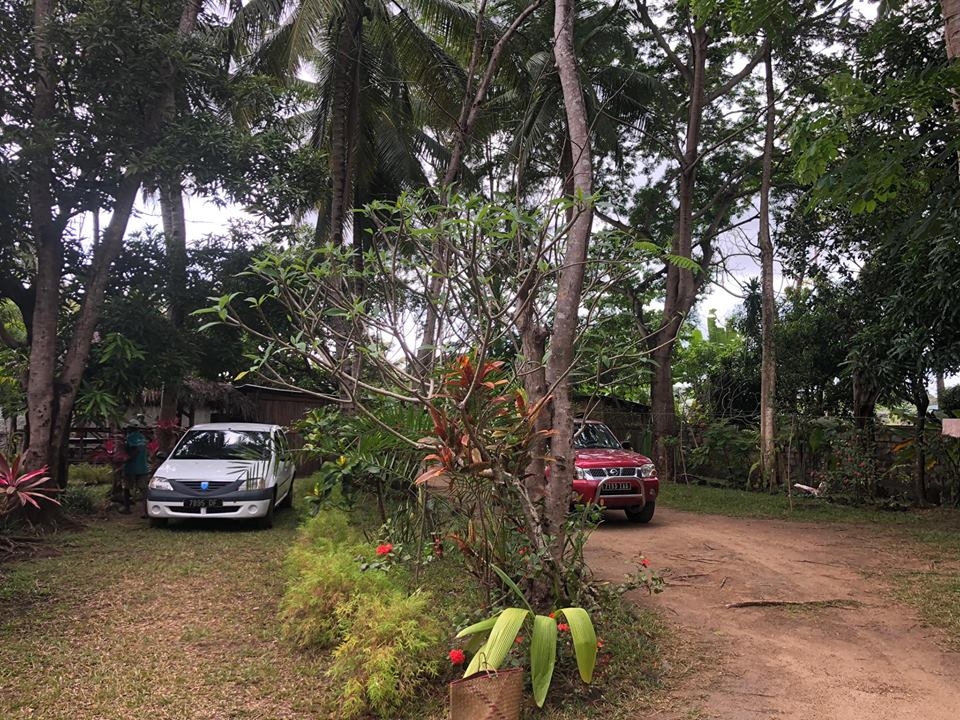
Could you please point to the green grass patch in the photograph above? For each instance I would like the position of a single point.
(742, 503)
(128, 621)
(936, 597)
(88, 474)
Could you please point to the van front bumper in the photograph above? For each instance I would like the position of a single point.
(239, 505)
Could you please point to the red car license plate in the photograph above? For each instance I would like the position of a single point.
(616, 486)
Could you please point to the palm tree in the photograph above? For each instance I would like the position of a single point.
(615, 91)
(378, 79)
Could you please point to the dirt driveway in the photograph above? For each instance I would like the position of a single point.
(851, 653)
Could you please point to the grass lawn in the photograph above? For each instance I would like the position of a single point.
(123, 621)
(930, 534)
(126, 621)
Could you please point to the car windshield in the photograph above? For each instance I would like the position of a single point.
(589, 436)
(223, 445)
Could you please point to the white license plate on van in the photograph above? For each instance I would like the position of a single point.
(202, 503)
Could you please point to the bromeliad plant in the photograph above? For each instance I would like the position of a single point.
(503, 629)
(19, 489)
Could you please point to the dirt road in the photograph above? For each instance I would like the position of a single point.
(851, 653)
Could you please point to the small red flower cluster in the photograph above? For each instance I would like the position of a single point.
(384, 549)
(457, 656)
(645, 562)
(563, 627)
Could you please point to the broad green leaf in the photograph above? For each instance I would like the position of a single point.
(481, 626)
(584, 640)
(543, 656)
(501, 640)
(513, 586)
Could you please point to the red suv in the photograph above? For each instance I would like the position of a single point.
(613, 476)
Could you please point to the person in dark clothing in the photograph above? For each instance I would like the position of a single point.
(135, 469)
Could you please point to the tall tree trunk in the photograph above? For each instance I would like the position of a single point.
(51, 394)
(175, 241)
(768, 362)
(346, 118)
(951, 27)
(682, 287)
(570, 283)
(921, 401)
(41, 396)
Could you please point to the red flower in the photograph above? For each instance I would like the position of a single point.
(552, 615)
(384, 549)
(563, 627)
(599, 643)
(457, 656)
(518, 639)
(645, 562)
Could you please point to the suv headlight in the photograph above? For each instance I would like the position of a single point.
(256, 483)
(648, 470)
(581, 473)
(159, 483)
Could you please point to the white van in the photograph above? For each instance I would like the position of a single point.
(233, 471)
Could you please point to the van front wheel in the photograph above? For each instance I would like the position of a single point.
(266, 522)
(287, 499)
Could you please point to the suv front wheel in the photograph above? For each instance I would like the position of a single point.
(641, 515)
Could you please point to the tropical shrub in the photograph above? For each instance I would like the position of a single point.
(390, 647)
(722, 453)
(325, 573)
(493, 639)
(83, 499)
(19, 488)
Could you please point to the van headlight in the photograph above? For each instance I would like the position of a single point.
(159, 483)
(648, 470)
(256, 483)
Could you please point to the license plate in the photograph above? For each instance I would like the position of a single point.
(616, 486)
(202, 503)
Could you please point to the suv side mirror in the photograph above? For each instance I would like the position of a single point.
(626, 445)
(161, 455)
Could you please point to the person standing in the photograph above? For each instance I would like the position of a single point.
(135, 469)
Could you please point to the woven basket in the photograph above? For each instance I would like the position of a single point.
(487, 696)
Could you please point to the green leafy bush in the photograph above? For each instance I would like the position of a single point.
(390, 647)
(387, 642)
(950, 402)
(723, 453)
(326, 572)
(83, 500)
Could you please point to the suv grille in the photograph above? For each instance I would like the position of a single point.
(613, 472)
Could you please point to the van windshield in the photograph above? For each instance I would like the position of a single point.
(588, 436)
(223, 445)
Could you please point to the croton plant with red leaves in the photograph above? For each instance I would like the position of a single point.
(481, 426)
(20, 488)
